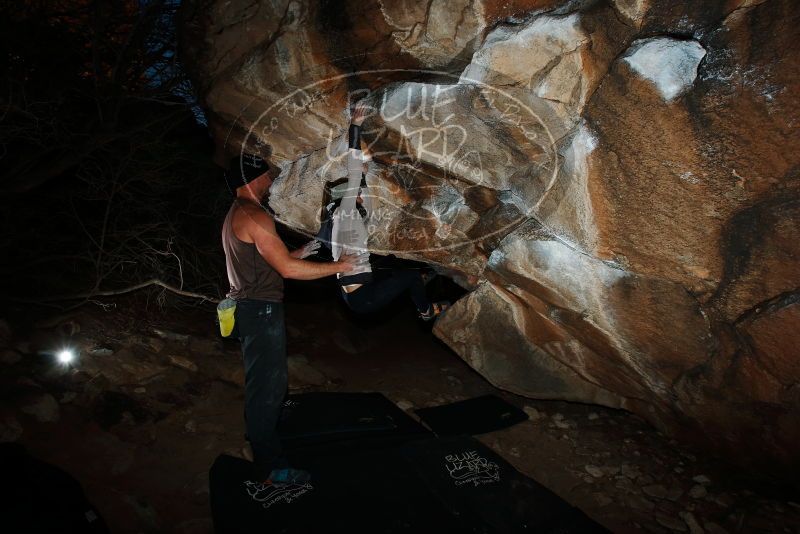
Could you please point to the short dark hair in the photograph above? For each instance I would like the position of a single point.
(245, 168)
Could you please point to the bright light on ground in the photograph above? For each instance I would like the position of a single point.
(66, 356)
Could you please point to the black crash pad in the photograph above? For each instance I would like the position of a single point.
(40, 497)
(346, 419)
(471, 416)
(449, 485)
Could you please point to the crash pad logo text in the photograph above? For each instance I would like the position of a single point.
(469, 467)
(268, 494)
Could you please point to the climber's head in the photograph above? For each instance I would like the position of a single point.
(250, 174)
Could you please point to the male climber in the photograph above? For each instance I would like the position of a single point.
(363, 290)
(257, 261)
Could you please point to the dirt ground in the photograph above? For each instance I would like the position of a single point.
(154, 398)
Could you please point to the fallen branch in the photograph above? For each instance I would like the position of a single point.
(124, 290)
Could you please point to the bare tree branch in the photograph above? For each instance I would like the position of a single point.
(121, 291)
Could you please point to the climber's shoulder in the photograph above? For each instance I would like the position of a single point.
(250, 220)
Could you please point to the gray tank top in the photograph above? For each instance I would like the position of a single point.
(249, 274)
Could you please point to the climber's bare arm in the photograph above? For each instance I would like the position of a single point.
(253, 225)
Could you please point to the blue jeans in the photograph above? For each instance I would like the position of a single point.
(262, 331)
(386, 287)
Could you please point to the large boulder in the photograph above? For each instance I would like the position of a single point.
(616, 183)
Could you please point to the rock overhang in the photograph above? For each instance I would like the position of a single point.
(614, 278)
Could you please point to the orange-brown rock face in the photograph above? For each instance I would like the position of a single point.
(618, 183)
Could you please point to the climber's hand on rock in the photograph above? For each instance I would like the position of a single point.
(309, 249)
(360, 112)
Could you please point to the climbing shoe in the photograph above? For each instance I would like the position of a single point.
(435, 310)
(288, 475)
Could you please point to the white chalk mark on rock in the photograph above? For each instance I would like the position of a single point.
(671, 64)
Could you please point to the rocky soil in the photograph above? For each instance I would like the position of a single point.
(152, 400)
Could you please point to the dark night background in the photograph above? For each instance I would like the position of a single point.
(106, 174)
(111, 204)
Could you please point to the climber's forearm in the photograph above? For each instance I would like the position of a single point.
(354, 165)
(354, 137)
